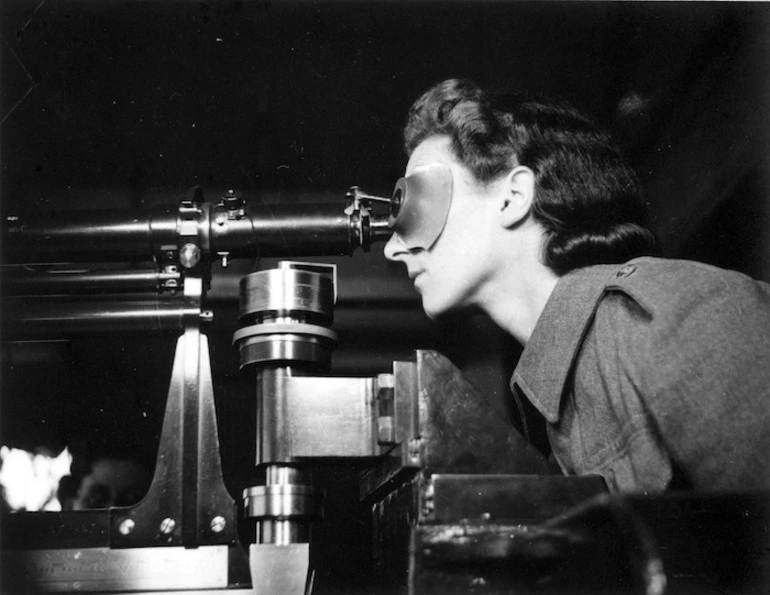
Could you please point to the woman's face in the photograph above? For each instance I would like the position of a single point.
(453, 271)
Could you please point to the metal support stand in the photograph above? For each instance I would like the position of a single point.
(187, 503)
(184, 524)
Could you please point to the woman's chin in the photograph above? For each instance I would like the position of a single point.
(434, 308)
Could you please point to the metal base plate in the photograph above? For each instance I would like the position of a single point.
(113, 570)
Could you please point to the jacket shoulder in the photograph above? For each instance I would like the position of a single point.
(660, 285)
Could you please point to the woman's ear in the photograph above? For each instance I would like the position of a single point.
(520, 193)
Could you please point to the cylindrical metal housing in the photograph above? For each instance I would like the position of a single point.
(62, 282)
(284, 507)
(273, 424)
(121, 235)
(286, 312)
(30, 320)
(292, 501)
(275, 293)
(288, 230)
(93, 236)
(283, 532)
(285, 342)
(292, 308)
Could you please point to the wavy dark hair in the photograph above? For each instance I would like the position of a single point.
(586, 196)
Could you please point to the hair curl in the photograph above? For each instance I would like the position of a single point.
(587, 197)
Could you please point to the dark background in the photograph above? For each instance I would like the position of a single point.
(119, 104)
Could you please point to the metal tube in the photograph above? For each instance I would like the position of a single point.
(285, 505)
(51, 320)
(49, 282)
(380, 231)
(121, 235)
(272, 425)
(94, 236)
(286, 230)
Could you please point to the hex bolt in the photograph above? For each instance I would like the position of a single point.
(167, 525)
(218, 524)
(126, 527)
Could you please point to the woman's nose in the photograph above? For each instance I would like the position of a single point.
(395, 248)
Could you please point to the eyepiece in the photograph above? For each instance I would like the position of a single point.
(395, 201)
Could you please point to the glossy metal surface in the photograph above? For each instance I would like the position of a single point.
(282, 292)
(291, 306)
(277, 501)
(305, 416)
(188, 486)
(100, 570)
(124, 235)
(29, 281)
(288, 230)
(284, 506)
(95, 236)
(30, 320)
(285, 342)
(280, 569)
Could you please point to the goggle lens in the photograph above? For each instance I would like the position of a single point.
(420, 205)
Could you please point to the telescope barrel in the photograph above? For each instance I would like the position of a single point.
(132, 235)
(286, 230)
(92, 236)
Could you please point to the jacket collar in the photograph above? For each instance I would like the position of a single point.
(547, 359)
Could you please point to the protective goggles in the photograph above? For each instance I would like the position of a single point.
(420, 205)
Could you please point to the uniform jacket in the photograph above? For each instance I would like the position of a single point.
(654, 374)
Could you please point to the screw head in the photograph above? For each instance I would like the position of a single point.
(126, 527)
(167, 525)
(218, 524)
